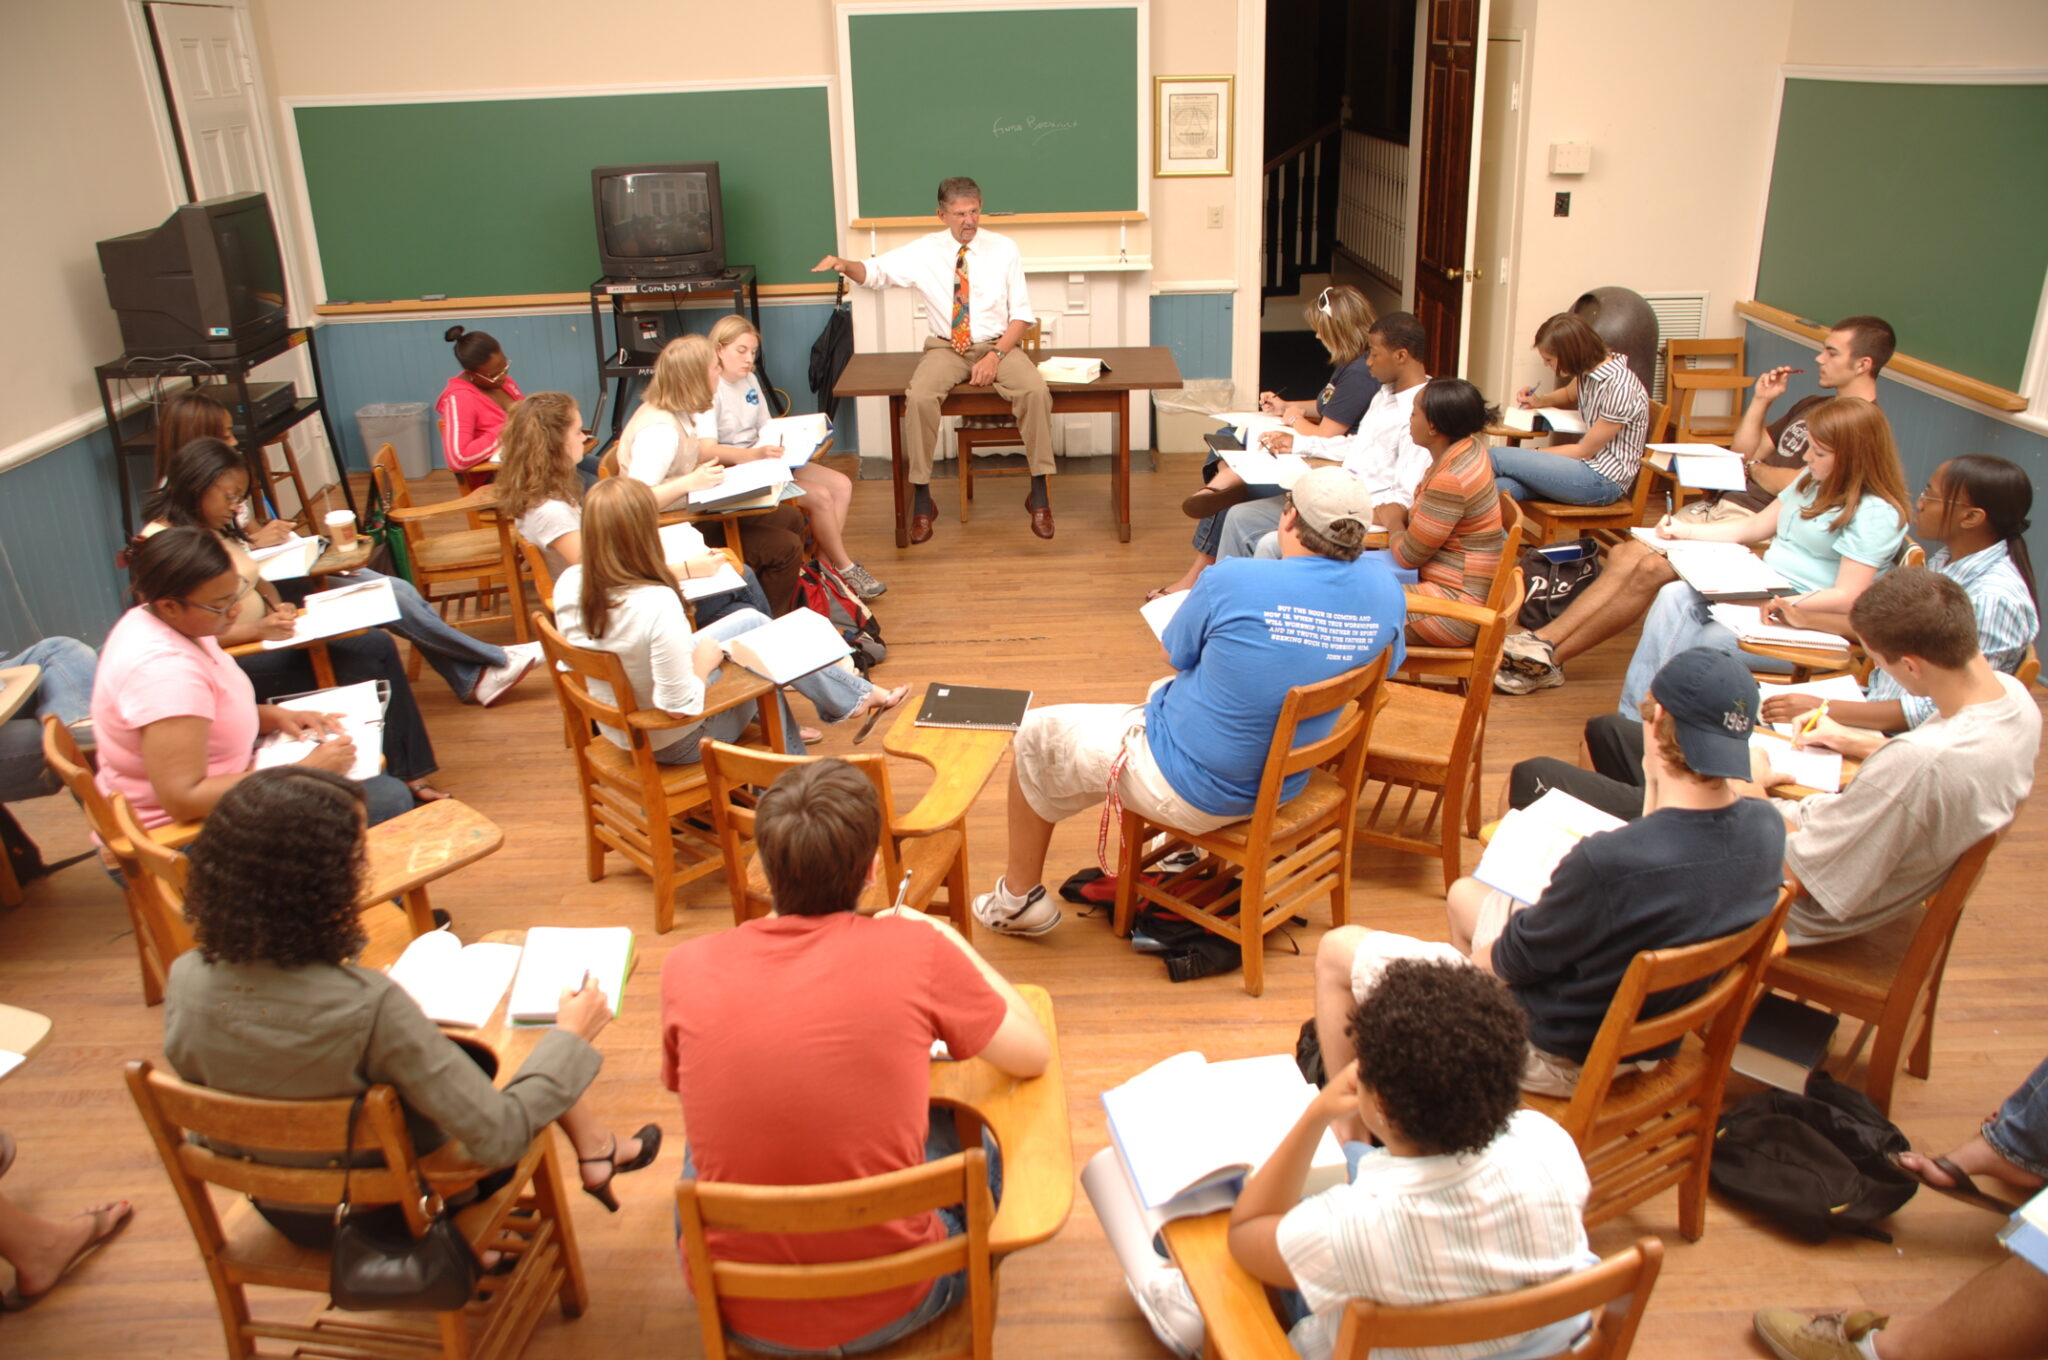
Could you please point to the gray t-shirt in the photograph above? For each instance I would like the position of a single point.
(1885, 842)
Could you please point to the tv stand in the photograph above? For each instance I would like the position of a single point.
(618, 359)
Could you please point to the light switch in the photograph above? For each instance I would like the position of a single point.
(1215, 215)
(1571, 158)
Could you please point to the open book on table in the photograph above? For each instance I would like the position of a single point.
(1186, 1125)
(455, 984)
(1717, 569)
(345, 609)
(1530, 842)
(555, 961)
(361, 709)
(1554, 418)
(801, 641)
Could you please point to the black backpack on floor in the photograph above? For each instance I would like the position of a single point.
(1815, 1163)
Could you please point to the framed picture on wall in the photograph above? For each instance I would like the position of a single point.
(1191, 125)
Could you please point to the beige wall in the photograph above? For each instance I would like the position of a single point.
(82, 165)
(1918, 33)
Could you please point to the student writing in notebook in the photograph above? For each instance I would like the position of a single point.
(1599, 466)
(1466, 1194)
(1701, 861)
(196, 413)
(1191, 756)
(800, 1043)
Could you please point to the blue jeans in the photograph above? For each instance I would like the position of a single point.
(65, 690)
(1209, 530)
(1528, 474)
(385, 798)
(834, 691)
(2019, 1131)
(941, 1140)
(1244, 525)
(455, 656)
(1678, 621)
(712, 608)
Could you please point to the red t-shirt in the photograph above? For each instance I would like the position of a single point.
(801, 1048)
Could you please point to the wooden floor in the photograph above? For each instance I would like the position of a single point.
(984, 603)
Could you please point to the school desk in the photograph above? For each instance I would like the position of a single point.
(1142, 369)
(1237, 1320)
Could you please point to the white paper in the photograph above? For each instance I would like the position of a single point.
(555, 961)
(1529, 842)
(1834, 689)
(744, 479)
(1249, 425)
(9, 1060)
(1715, 567)
(1746, 621)
(1719, 471)
(1259, 467)
(681, 542)
(1560, 421)
(1158, 613)
(455, 985)
(287, 561)
(799, 437)
(717, 583)
(1811, 768)
(346, 609)
(361, 710)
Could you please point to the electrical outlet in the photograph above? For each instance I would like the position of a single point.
(1215, 215)
(1562, 205)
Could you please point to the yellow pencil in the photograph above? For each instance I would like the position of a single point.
(1812, 723)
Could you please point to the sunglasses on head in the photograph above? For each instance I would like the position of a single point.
(1323, 301)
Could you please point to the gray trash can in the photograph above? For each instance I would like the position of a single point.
(1182, 415)
(402, 425)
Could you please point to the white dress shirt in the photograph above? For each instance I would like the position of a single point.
(996, 295)
(1381, 450)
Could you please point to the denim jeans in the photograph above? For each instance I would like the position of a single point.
(1244, 525)
(712, 608)
(1678, 621)
(455, 656)
(834, 691)
(1533, 474)
(2019, 1131)
(64, 690)
(1209, 530)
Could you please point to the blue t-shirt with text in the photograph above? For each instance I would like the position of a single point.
(1252, 629)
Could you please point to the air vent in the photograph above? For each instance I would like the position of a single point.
(1680, 316)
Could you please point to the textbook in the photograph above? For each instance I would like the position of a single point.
(287, 561)
(799, 437)
(1746, 621)
(995, 710)
(1555, 419)
(345, 609)
(361, 709)
(1703, 467)
(1071, 369)
(1718, 570)
(801, 641)
(1530, 842)
(744, 480)
(455, 984)
(1784, 1042)
(1187, 1125)
(1158, 613)
(555, 961)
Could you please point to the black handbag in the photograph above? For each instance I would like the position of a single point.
(1553, 576)
(375, 1267)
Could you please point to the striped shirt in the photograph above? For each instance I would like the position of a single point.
(1613, 392)
(2007, 621)
(1411, 1230)
(1454, 540)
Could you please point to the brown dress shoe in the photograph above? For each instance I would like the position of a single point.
(920, 528)
(1214, 501)
(1041, 519)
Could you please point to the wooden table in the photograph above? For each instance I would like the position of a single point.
(1806, 662)
(335, 560)
(1238, 1321)
(409, 852)
(24, 1032)
(961, 759)
(1140, 369)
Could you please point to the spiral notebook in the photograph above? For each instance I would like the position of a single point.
(996, 710)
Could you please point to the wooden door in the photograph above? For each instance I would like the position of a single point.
(1444, 196)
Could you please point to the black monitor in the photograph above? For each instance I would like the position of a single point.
(659, 221)
(209, 282)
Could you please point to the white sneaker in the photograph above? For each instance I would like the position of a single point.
(864, 585)
(1170, 1308)
(1005, 915)
(495, 683)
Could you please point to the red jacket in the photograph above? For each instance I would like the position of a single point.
(470, 421)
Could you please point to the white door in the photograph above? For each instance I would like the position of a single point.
(212, 96)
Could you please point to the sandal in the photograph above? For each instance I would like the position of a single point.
(121, 1212)
(810, 736)
(424, 793)
(650, 1148)
(888, 698)
(1964, 1188)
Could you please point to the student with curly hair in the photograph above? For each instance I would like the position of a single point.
(270, 1005)
(1466, 1195)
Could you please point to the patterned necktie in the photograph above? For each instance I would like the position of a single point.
(961, 337)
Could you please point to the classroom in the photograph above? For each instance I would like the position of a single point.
(425, 166)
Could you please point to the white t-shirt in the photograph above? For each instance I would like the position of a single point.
(648, 630)
(545, 523)
(652, 447)
(1412, 1230)
(738, 411)
(1382, 450)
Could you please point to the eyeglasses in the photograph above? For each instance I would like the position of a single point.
(1323, 300)
(223, 610)
(1928, 495)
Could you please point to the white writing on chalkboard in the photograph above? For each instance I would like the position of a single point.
(1038, 129)
(1340, 637)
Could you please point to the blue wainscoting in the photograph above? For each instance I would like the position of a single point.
(364, 362)
(1929, 429)
(1196, 327)
(59, 531)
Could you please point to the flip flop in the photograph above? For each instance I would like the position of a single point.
(122, 1213)
(901, 692)
(1964, 1188)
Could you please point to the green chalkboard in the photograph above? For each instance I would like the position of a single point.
(1038, 106)
(490, 197)
(1922, 204)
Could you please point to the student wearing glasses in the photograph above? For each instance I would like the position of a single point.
(474, 404)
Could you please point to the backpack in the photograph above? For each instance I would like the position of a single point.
(819, 587)
(1815, 1163)
(1555, 575)
(831, 353)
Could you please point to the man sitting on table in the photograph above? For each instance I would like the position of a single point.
(1921, 798)
(1382, 450)
(1701, 862)
(800, 1044)
(972, 282)
(1466, 1194)
(1192, 755)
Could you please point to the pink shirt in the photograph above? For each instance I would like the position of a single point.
(470, 421)
(148, 672)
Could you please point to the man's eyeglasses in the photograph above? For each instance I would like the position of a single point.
(223, 610)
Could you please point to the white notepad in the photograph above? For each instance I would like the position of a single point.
(455, 984)
(1746, 621)
(361, 709)
(744, 479)
(1834, 689)
(1704, 467)
(1158, 613)
(1811, 768)
(287, 561)
(1530, 842)
(799, 437)
(345, 609)
(1261, 467)
(555, 961)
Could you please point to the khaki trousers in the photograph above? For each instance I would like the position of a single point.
(941, 370)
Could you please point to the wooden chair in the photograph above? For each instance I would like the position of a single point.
(968, 1329)
(1507, 585)
(543, 579)
(1285, 854)
(975, 432)
(1431, 738)
(1549, 521)
(657, 816)
(1695, 366)
(1643, 1132)
(1889, 978)
(737, 775)
(527, 1221)
(1618, 1289)
(484, 558)
(158, 938)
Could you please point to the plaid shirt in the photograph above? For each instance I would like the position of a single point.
(2006, 621)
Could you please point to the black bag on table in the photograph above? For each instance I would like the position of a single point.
(1553, 576)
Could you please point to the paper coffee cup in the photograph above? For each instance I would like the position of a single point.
(341, 528)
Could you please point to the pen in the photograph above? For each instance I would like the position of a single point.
(1807, 728)
(902, 892)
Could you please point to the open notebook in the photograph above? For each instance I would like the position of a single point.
(345, 609)
(555, 961)
(361, 709)
(455, 984)
(1530, 842)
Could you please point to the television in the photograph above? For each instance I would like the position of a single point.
(659, 221)
(208, 283)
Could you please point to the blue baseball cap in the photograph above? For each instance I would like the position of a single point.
(1712, 700)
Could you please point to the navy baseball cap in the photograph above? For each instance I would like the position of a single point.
(1712, 700)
